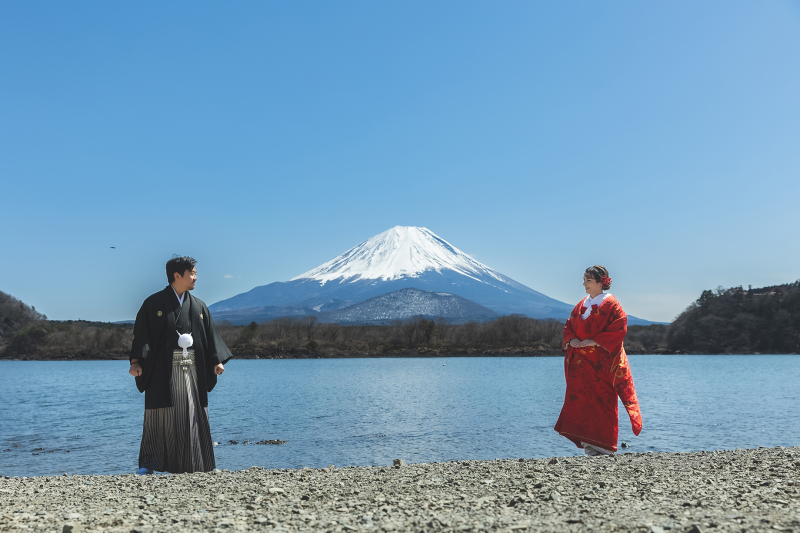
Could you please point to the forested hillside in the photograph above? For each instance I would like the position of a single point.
(15, 315)
(738, 320)
(728, 321)
(27, 334)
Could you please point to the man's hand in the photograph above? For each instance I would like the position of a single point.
(219, 369)
(135, 370)
(587, 342)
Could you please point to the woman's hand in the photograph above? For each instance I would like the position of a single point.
(575, 343)
(219, 369)
(135, 370)
(586, 343)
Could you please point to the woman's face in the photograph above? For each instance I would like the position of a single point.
(593, 288)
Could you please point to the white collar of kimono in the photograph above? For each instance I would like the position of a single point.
(589, 302)
(180, 298)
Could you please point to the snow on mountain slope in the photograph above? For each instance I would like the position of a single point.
(403, 251)
(408, 303)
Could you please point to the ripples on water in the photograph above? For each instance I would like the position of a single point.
(370, 411)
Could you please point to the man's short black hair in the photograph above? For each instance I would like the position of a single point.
(179, 265)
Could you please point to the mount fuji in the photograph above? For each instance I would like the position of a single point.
(400, 258)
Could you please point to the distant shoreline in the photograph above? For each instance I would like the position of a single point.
(724, 321)
(251, 356)
(352, 355)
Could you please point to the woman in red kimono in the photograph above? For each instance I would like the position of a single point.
(596, 369)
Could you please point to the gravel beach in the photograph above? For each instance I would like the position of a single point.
(740, 490)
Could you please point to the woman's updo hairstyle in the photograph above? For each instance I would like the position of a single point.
(599, 273)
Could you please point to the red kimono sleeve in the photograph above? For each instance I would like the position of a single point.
(621, 378)
(611, 337)
(569, 331)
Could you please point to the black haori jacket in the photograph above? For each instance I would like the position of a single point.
(155, 338)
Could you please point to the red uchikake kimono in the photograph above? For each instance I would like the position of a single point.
(596, 375)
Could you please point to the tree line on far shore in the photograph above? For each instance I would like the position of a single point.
(723, 321)
(506, 334)
(732, 320)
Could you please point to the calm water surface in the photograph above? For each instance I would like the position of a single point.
(86, 416)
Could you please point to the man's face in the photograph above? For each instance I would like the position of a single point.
(187, 281)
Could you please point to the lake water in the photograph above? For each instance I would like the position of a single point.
(370, 411)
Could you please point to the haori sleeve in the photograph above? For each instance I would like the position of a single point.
(612, 335)
(140, 346)
(141, 349)
(218, 351)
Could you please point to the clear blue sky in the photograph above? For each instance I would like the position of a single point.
(661, 139)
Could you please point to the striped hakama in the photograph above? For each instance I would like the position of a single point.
(178, 439)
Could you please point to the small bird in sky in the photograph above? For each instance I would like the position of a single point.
(114, 247)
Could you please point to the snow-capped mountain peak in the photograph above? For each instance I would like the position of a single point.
(376, 273)
(403, 251)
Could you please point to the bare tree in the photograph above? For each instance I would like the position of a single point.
(309, 325)
(330, 332)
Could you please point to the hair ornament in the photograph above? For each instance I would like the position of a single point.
(605, 282)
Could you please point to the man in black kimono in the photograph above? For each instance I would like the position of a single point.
(176, 357)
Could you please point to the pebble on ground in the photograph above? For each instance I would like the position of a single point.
(740, 490)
